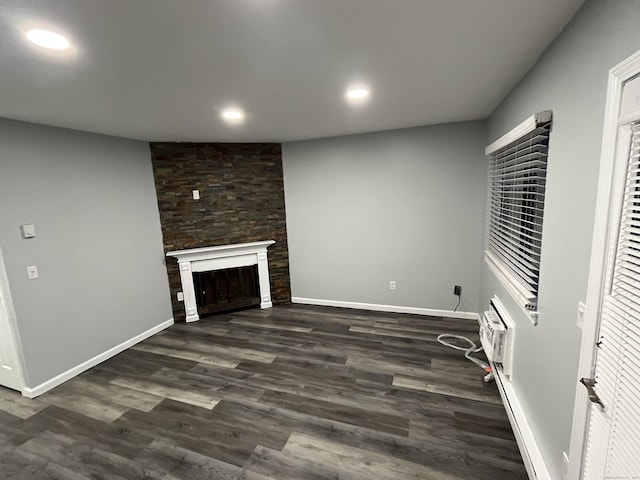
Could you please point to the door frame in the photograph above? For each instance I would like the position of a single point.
(618, 76)
(10, 327)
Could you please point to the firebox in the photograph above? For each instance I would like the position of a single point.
(228, 289)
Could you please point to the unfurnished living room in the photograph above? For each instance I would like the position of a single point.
(320, 239)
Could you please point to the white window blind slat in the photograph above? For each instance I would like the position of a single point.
(525, 186)
(523, 281)
(508, 252)
(526, 255)
(537, 160)
(629, 260)
(510, 217)
(628, 284)
(517, 183)
(524, 241)
(628, 398)
(507, 204)
(631, 364)
(523, 160)
(618, 311)
(526, 229)
(517, 289)
(528, 274)
(526, 259)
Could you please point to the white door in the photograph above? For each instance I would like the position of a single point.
(613, 438)
(10, 371)
(605, 440)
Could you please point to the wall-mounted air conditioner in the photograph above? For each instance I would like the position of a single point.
(497, 334)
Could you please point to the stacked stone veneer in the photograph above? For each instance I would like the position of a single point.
(241, 200)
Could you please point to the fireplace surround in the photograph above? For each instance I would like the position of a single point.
(222, 257)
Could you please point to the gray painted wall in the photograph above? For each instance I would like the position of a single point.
(403, 205)
(98, 247)
(570, 79)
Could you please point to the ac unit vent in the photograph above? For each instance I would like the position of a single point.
(497, 334)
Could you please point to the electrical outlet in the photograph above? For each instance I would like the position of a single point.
(180, 297)
(392, 285)
(457, 290)
(196, 194)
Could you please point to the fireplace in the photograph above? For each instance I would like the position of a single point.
(228, 289)
(205, 275)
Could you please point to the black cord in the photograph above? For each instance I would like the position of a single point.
(459, 301)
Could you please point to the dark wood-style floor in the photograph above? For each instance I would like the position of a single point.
(294, 392)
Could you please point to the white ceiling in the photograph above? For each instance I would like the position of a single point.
(162, 69)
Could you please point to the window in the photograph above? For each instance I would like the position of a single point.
(517, 179)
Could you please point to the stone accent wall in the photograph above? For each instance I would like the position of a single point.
(241, 200)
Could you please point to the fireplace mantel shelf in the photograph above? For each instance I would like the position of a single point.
(205, 253)
(207, 259)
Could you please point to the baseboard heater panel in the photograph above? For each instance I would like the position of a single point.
(498, 335)
(531, 454)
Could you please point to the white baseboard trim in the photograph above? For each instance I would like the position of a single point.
(92, 362)
(386, 308)
(531, 454)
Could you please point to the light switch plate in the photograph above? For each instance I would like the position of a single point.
(32, 272)
(28, 230)
(180, 297)
(196, 194)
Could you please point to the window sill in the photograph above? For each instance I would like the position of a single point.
(511, 287)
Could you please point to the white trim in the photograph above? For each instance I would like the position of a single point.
(618, 75)
(510, 336)
(528, 126)
(511, 286)
(221, 257)
(92, 362)
(12, 333)
(387, 308)
(529, 449)
(629, 119)
(220, 251)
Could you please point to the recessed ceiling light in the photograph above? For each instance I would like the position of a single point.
(48, 39)
(357, 94)
(233, 115)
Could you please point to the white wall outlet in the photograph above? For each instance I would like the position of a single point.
(180, 297)
(392, 285)
(196, 194)
(32, 272)
(28, 230)
(580, 321)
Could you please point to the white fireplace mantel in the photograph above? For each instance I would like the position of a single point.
(207, 259)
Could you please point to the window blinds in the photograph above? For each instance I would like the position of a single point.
(613, 442)
(517, 180)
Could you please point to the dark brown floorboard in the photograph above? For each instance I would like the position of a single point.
(293, 392)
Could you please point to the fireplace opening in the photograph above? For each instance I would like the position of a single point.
(228, 289)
